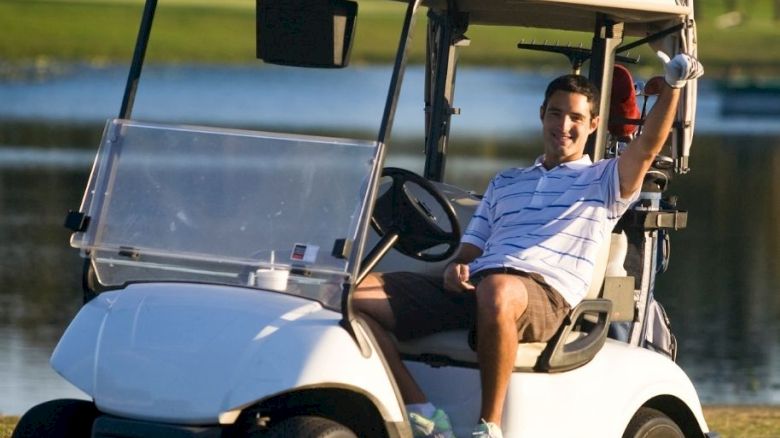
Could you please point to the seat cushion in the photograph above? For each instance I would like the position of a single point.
(452, 348)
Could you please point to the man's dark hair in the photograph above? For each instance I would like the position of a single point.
(574, 84)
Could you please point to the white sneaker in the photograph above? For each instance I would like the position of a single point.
(487, 430)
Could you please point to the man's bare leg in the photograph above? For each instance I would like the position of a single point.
(371, 302)
(501, 300)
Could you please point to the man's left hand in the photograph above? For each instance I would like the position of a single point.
(680, 69)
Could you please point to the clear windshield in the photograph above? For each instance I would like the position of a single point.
(226, 206)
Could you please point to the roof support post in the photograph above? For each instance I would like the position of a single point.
(349, 320)
(89, 283)
(396, 78)
(138, 59)
(440, 66)
(606, 38)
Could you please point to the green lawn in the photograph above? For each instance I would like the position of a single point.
(744, 421)
(7, 426)
(103, 31)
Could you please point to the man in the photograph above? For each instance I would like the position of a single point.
(528, 252)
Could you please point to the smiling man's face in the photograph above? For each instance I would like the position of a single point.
(566, 124)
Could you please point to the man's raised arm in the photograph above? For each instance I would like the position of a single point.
(640, 153)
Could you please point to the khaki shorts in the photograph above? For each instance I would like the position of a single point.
(422, 306)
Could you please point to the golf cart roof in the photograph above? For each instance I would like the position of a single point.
(640, 17)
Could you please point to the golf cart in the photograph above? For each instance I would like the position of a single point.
(221, 262)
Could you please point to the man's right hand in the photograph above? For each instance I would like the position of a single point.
(456, 278)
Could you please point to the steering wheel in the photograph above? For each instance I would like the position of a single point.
(404, 221)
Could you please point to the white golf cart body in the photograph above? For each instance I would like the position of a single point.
(179, 223)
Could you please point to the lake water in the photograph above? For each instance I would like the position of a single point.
(720, 290)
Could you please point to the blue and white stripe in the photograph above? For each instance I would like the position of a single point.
(550, 222)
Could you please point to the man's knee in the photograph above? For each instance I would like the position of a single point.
(501, 296)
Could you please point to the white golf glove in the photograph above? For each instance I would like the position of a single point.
(680, 69)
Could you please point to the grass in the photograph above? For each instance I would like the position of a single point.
(728, 421)
(103, 31)
(744, 421)
(7, 426)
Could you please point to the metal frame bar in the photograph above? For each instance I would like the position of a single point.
(141, 43)
(441, 65)
(646, 287)
(88, 277)
(607, 36)
(654, 37)
(385, 128)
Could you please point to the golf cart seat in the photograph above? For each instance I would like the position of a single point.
(579, 338)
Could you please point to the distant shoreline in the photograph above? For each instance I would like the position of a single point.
(102, 31)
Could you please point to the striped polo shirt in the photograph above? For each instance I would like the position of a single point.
(550, 222)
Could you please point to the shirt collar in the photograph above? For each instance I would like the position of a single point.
(580, 163)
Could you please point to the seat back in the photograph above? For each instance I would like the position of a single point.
(609, 263)
(599, 271)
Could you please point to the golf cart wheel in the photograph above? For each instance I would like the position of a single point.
(652, 423)
(308, 426)
(64, 418)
